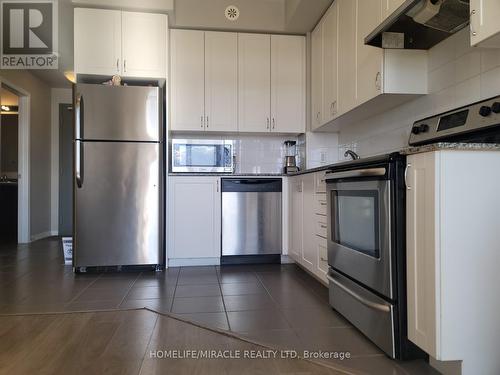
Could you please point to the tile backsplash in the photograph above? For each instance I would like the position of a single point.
(458, 75)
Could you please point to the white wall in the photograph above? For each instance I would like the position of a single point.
(39, 145)
(458, 75)
(58, 96)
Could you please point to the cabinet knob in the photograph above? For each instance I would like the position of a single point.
(201, 121)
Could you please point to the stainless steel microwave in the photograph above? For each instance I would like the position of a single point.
(202, 155)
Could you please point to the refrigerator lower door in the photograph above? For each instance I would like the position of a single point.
(117, 204)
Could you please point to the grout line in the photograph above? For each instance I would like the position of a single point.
(222, 297)
(129, 289)
(84, 289)
(149, 342)
(175, 289)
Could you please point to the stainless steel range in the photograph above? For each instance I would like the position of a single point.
(366, 226)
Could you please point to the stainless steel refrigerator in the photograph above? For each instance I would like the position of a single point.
(118, 189)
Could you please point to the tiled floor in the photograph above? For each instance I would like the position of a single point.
(278, 305)
(120, 342)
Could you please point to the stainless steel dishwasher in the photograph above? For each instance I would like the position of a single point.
(251, 220)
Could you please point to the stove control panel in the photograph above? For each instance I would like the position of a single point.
(477, 116)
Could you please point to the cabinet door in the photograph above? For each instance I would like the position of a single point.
(347, 55)
(144, 41)
(296, 218)
(317, 76)
(194, 217)
(309, 250)
(484, 25)
(254, 82)
(288, 83)
(389, 7)
(369, 60)
(97, 41)
(330, 47)
(422, 288)
(221, 81)
(188, 77)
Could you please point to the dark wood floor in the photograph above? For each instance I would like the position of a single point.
(278, 306)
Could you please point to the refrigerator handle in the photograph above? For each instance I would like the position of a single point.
(79, 116)
(79, 163)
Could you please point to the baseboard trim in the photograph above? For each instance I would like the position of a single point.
(185, 262)
(39, 236)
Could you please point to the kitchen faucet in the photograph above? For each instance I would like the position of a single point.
(352, 154)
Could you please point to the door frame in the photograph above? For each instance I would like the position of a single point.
(24, 127)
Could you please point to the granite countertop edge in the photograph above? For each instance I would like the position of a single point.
(452, 146)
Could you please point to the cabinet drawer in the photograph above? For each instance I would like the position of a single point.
(321, 227)
(320, 182)
(320, 204)
(322, 254)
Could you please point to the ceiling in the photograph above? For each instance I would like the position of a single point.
(8, 98)
(272, 16)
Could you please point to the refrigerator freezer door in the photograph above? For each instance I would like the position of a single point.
(118, 113)
(117, 204)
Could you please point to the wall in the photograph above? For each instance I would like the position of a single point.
(58, 96)
(458, 75)
(254, 153)
(39, 147)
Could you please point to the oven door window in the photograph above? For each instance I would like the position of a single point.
(356, 223)
(193, 155)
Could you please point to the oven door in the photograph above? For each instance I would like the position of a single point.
(359, 241)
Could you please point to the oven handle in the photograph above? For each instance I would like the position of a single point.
(368, 172)
(364, 301)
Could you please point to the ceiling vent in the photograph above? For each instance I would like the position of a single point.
(232, 13)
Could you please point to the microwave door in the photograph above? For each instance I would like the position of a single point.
(359, 232)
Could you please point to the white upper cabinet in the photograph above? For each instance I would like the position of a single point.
(108, 42)
(388, 7)
(254, 80)
(317, 76)
(288, 83)
(329, 65)
(97, 41)
(144, 41)
(352, 81)
(370, 60)
(188, 76)
(221, 81)
(484, 23)
(347, 55)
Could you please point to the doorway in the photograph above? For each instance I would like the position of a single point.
(66, 134)
(9, 138)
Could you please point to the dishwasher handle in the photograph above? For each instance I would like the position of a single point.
(248, 185)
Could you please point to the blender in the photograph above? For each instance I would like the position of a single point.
(290, 157)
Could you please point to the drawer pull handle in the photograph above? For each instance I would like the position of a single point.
(323, 259)
(322, 203)
(323, 226)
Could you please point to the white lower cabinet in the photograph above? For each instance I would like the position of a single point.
(307, 210)
(193, 220)
(452, 257)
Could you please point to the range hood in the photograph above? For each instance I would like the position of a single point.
(420, 24)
